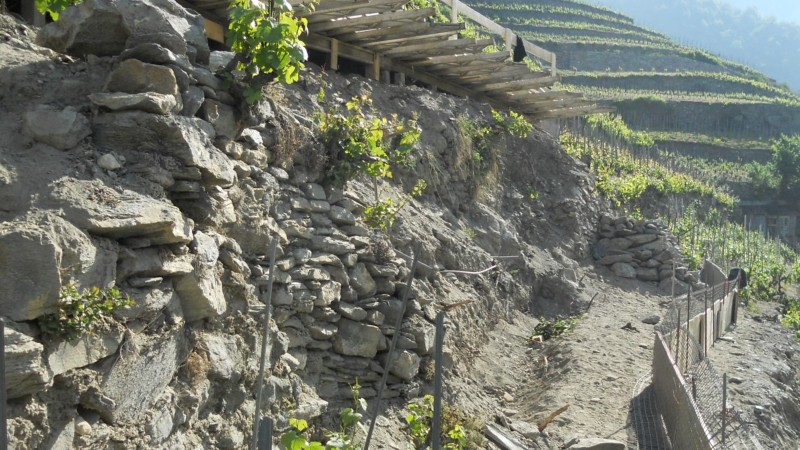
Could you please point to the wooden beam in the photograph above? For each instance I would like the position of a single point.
(508, 73)
(406, 33)
(506, 442)
(215, 31)
(524, 84)
(543, 106)
(461, 59)
(475, 45)
(351, 8)
(539, 96)
(347, 24)
(572, 112)
(468, 69)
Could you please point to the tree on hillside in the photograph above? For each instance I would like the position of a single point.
(786, 161)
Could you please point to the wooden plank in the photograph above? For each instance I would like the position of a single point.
(572, 112)
(214, 30)
(501, 438)
(460, 59)
(538, 96)
(543, 106)
(475, 45)
(387, 37)
(351, 8)
(469, 69)
(508, 73)
(540, 80)
(414, 40)
(334, 54)
(348, 24)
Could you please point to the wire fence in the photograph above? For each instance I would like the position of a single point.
(690, 327)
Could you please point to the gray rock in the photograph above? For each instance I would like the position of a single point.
(26, 371)
(106, 212)
(224, 355)
(327, 244)
(61, 129)
(152, 262)
(103, 27)
(330, 292)
(132, 383)
(147, 101)
(322, 330)
(624, 270)
(313, 191)
(193, 99)
(362, 281)
(222, 117)
(646, 274)
(639, 239)
(405, 365)
(201, 290)
(609, 260)
(87, 349)
(108, 162)
(41, 252)
(357, 339)
(352, 312)
(424, 335)
(597, 444)
(134, 134)
(137, 77)
(652, 320)
(680, 287)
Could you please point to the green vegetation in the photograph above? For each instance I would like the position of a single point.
(613, 126)
(791, 317)
(718, 139)
(549, 329)
(459, 432)
(360, 145)
(54, 7)
(609, 93)
(786, 163)
(82, 312)
(268, 44)
(625, 180)
(344, 439)
(706, 233)
(513, 123)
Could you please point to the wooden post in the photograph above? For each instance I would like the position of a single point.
(386, 76)
(3, 425)
(334, 55)
(400, 78)
(436, 426)
(453, 11)
(264, 345)
(265, 434)
(376, 67)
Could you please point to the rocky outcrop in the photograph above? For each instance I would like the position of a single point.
(643, 250)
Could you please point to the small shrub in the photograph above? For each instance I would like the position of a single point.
(514, 123)
(55, 7)
(549, 329)
(82, 312)
(459, 432)
(268, 44)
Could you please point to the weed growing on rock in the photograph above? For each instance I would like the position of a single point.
(514, 123)
(459, 432)
(55, 7)
(268, 43)
(360, 145)
(82, 312)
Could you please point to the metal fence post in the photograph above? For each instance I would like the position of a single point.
(694, 388)
(392, 346)
(705, 323)
(265, 434)
(436, 426)
(3, 419)
(264, 345)
(678, 339)
(688, 318)
(724, 405)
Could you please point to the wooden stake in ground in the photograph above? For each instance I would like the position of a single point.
(543, 424)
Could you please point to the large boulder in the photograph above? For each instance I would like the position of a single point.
(88, 349)
(135, 380)
(148, 101)
(107, 27)
(142, 137)
(104, 211)
(133, 76)
(41, 252)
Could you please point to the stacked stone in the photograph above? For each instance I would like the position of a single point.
(189, 243)
(642, 250)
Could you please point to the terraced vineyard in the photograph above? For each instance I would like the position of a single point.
(706, 113)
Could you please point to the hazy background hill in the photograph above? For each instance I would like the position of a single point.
(743, 35)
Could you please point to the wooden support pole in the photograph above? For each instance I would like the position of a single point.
(335, 54)
(376, 67)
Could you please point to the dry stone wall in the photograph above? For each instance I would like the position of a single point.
(643, 250)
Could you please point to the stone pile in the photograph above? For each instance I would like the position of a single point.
(642, 250)
(180, 216)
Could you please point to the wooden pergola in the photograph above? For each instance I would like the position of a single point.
(389, 39)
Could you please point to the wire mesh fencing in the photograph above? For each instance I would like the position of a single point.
(690, 327)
